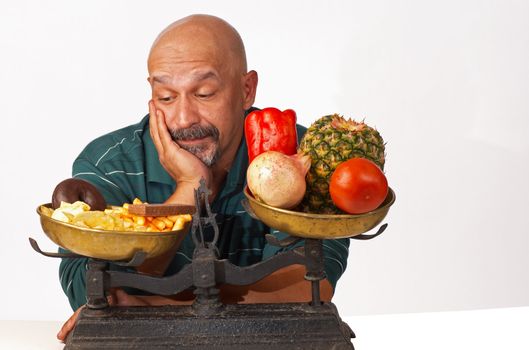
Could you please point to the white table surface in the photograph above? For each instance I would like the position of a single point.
(505, 329)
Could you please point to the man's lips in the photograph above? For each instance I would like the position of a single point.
(195, 141)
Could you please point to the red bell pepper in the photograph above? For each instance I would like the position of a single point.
(270, 129)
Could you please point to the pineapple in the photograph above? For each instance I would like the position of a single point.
(330, 141)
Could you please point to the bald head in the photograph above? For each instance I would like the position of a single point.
(200, 37)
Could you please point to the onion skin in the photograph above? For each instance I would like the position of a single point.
(277, 179)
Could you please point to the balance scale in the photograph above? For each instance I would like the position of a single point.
(208, 323)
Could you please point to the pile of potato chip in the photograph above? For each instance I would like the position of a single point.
(115, 218)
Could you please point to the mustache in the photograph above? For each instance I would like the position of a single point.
(194, 132)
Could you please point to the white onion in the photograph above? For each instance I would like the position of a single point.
(277, 179)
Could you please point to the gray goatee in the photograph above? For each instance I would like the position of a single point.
(207, 153)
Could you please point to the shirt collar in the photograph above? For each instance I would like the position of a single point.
(236, 177)
(237, 174)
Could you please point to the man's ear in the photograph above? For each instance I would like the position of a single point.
(249, 88)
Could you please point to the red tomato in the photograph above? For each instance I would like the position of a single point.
(358, 186)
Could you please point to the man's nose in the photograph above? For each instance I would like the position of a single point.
(183, 115)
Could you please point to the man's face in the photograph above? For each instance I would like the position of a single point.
(201, 98)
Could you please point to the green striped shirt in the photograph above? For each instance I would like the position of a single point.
(124, 164)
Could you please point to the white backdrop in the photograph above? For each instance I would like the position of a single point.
(445, 82)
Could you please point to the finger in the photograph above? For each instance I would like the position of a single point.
(69, 325)
(153, 124)
(124, 299)
(111, 297)
(163, 133)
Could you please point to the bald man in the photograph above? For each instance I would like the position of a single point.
(201, 92)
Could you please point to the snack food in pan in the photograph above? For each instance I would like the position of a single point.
(115, 218)
(115, 244)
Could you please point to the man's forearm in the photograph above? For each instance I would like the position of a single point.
(184, 194)
(283, 286)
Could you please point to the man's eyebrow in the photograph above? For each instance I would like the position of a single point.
(161, 79)
(198, 76)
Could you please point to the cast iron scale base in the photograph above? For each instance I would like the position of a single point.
(207, 323)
